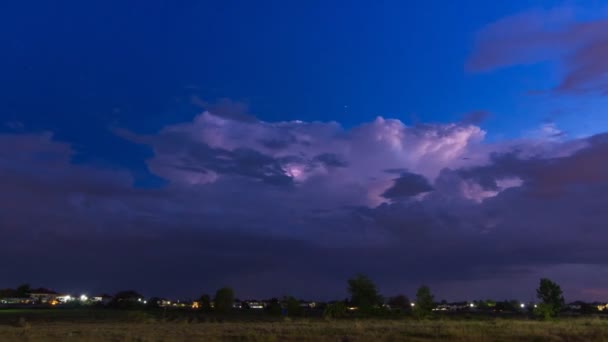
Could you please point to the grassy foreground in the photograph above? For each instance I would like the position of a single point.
(314, 330)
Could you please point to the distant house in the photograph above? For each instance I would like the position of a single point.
(129, 296)
(253, 304)
(163, 302)
(64, 298)
(104, 299)
(307, 305)
(43, 295)
(13, 301)
(458, 306)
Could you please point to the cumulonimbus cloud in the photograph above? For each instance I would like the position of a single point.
(321, 196)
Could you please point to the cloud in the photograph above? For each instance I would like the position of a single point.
(15, 125)
(476, 117)
(435, 202)
(211, 147)
(407, 185)
(571, 38)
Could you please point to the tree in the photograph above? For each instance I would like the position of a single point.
(23, 291)
(293, 307)
(334, 310)
(153, 303)
(551, 297)
(507, 305)
(224, 299)
(205, 303)
(363, 292)
(7, 293)
(274, 307)
(400, 302)
(424, 302)
(127, 299)
(128, 295)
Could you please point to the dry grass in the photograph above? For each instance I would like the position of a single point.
(315, 330)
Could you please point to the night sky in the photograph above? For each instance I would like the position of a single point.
(280, 147)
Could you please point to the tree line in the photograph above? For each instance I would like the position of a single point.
(365, 299)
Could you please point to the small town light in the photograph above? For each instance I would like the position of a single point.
(522, 305)
(535, 306)
(413, 304)
(145, 302)
(139, 299)
(472, 305)
(84, 298)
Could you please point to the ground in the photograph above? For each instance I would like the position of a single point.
(140, 326)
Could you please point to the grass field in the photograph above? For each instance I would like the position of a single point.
(137, 326)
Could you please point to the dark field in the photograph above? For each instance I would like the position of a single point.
(113, 325)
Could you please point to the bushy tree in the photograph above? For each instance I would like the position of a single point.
(508, 305)
(551, 297)
(400, 302)
(23, 291)
(127, 299)
(425, 302)
(224, 299)
(293, 307)
(205, 303)
(334, 310)
(153, 303)
(8, 293)
(128, 295)
(274, 307)
(363, 292)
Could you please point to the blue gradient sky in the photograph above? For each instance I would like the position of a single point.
(95, 64)
(161, 113)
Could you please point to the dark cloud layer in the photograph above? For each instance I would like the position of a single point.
(267, 220)
(407, 185)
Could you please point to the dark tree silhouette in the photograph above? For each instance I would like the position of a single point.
(274, 308)
(293, 306)
(551, 297)
(154, 302)
(224, 299)
(205, 303)
(424, 302)
(128, 295)
(363, 292)
(8, 293)
(23, 291)
(400, 302)
(334, 310)
(127, 299)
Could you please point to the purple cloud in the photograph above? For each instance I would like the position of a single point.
(248, 213)
(576, 42)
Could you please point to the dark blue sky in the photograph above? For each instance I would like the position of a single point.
(136, 65)
(122, 85)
